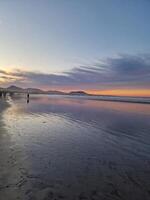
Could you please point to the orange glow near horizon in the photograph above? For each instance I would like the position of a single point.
(114, 92)
(9, 78)
(122, 92)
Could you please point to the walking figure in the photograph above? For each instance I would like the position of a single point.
(28, 98)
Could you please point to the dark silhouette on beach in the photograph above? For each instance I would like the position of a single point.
(28, 97)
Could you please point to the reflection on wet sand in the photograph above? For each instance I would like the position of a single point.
(11, 162)
(76, 149)
(84, 104)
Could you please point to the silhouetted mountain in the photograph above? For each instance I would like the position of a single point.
(14, 88)
(55, 92)
(78, 93)
(34, 90)
(39, 91)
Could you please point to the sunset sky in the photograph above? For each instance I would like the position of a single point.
(100, 46)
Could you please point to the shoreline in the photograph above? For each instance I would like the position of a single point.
(140, 100)
(124, 99)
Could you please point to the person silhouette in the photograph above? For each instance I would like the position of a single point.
(28, 96)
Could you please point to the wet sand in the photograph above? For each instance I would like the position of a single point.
(11, 164)
(74, 149)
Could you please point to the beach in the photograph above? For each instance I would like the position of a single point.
(55, 147)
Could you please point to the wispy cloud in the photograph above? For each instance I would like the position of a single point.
(122, 71)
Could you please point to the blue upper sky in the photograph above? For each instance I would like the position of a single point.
(56, 35)
(76, 44)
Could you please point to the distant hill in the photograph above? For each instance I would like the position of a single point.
(29, 90)
(55, 92)
(34, 90)
(77, 93)
(14, 88)
(39, 91)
